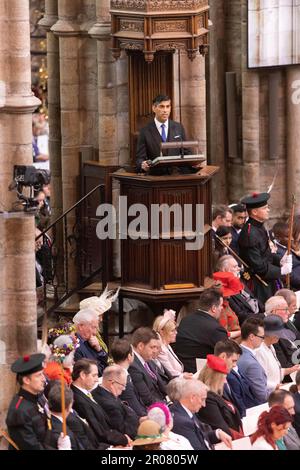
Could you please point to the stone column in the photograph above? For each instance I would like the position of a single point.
(107, 82)
(293, 131)
(250, 114)
(50, 18)
(17, 230)
(88, 77)
(216, 99)
(193, 97)
(67, 29)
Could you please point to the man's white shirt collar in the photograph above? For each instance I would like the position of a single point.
(158, 125)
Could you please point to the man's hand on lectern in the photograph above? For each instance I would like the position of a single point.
(145, 165)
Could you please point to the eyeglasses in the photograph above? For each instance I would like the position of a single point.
(261, 337)
(283, 309)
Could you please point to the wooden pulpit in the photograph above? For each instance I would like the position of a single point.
(161, 269)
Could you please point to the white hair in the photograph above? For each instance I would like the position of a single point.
(85, 316)
(62, 339)
(222, 264)
(192, 386)
(274, 302)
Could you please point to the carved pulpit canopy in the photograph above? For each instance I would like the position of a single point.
(159, 25)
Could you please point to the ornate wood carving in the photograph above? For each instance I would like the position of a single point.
(148, 265)
(159, 25)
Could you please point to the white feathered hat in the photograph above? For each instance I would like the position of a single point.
(100, 304)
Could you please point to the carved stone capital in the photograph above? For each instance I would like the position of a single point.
(48, 21)
(20, 104)
(66, 28)
(101, 31)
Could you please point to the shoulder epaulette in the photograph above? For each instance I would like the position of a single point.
(19, 402)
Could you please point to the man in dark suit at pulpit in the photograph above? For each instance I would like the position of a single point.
(160, 129)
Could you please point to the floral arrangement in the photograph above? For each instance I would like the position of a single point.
(66, 329)
(61, 352)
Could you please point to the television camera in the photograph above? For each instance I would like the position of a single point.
(32, 178)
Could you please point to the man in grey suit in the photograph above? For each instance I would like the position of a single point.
(160, 129)
(252, 333)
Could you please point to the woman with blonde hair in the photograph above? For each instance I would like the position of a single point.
(218, 412)
(165, 326)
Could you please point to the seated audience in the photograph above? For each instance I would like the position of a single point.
(86, 322)
(223, 239)
(155, 365)
(284, 398)
(56, 418)
(161, 414)
(165, 326)
(285, 349)
(122, 355)
(200, 331)
(218, 411)
(266, 354)
(100, 305)
(62, 356)
(121, 417)
(147, 383)
(273, 425)
(237, 389)
(244, 304)
(231, 285)
(252, 338)
(149, 436)
(239, 217)
(85, 379)
(291, 300)
(221, 216)
(191, 399)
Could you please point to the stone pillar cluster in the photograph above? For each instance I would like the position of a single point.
(17, 230)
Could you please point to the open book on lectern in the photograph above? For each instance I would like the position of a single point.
(170, 160)
(178, 160)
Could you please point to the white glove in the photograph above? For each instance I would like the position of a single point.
(286, 259)
(64, 442)
(286, 269)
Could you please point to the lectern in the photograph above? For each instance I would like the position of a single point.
(159, 269)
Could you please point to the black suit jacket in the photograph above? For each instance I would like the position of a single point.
(121, 416)
(201, 436)
(218, 414)
(241, 391)
(163, 375)
(84, 434)
(148, 146)
(197, 335)
(97, 419)
(241, 307)
(54, 433)
(147, 388)
(132, 398)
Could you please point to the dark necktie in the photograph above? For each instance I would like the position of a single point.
(163, 133)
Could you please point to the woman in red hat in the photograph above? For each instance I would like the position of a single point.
(218, 412)
(229, 285)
